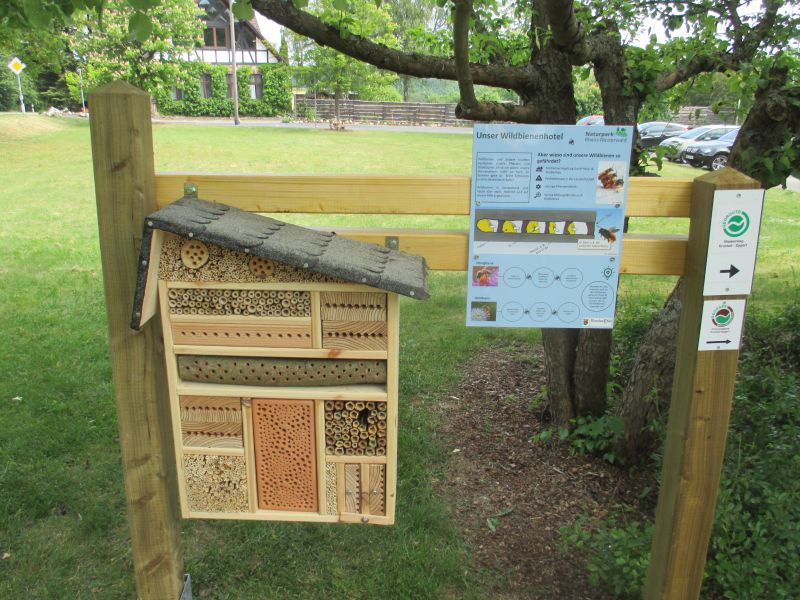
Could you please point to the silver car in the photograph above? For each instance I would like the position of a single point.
(676, 146)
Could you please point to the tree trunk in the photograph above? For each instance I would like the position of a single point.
(646, 398)
(337, 96)
(406, 85)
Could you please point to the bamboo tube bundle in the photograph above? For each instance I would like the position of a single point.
(355, 428)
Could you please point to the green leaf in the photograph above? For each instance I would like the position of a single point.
(140, 26)
(243, 11)
(300, 3)
(142, 5)
(492, 523)
(36, 14)
(342, 5)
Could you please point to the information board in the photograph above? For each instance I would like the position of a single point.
(546, 220)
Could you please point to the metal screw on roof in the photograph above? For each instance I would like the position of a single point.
(144, 262)
(191, 234)
(247, 250)
(411, 293)
(305, 265)
(149, 223)
(363, 280)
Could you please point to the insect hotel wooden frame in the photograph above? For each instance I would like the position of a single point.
(127, 189)
(281, 350)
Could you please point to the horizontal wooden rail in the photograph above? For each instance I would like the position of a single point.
(446, 250)
(385, 194)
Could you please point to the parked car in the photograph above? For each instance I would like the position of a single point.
(592, 120)
(653, 132)
(677, 145)
(711, 155)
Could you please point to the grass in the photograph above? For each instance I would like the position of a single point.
(62, 518)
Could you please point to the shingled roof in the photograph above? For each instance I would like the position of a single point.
(319, 251)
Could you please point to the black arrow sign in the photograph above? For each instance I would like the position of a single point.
(718, 342)
(731, 272)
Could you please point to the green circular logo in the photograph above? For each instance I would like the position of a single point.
(722, 317)
(736, 223)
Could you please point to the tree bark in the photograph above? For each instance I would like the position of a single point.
(406, 85)
(646, 398)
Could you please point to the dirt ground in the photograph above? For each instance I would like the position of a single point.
(496, 469)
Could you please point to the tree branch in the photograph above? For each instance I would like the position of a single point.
(461, 15)
(568, 32)
(383, 57)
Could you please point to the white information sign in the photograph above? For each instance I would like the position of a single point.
(546, 225)
(721, 325)
(733, 242)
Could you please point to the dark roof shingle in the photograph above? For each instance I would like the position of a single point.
(300, 247)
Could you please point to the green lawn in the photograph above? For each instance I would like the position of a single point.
(62, 515)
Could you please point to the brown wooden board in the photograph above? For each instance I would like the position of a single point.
(353, 306)
(364, 335)
(273, 335)
(285, 453)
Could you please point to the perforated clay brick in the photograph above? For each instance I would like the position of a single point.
(283, 432)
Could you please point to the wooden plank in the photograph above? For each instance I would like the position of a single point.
(359, 518)
(298, 286)
(376, 489)
(275, 335)
(122, 155)
(214, 451)
(333, 392)
(319, 434)
(213, 435)
(369, 460)
(364, 502)
(174, 399)
(268, 515)
(220, 408)
(386, 194)
(316, 321)
(353, 306)
(281, 352)
(352, 488)
(446, 250)
(700, 407)
(338, 194)
(249, 454)
(392, 394)
(354, 335)
(150, 301)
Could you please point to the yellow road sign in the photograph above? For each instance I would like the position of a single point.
(16, 65)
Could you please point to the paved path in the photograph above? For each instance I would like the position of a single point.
(216, 122)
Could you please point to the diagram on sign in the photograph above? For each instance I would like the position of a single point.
(548, 207)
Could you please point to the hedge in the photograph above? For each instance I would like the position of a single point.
(276, 99)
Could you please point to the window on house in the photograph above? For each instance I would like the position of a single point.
(256, 86)
(205, 85)
(177, 93)
(215, 37)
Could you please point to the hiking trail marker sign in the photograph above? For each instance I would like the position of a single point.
(733, 242)
(546, 218)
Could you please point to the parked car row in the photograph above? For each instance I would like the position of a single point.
(707, 146)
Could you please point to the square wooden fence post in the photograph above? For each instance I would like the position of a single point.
(702, 395)
(122, 153)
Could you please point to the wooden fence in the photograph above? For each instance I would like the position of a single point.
(128, 189)
(396, 113)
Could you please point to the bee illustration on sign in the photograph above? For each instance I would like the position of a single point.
(609, 235)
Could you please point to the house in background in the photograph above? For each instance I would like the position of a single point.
(253, 48)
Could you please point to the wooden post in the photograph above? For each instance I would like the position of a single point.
(122, 152)
(698, 421)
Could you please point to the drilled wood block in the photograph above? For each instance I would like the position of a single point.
(353, 306)
(331, 498)
(211, 435)
(352, 488)
(215, 483)
(211, 409)
(354, 335)
(285, 335)
(285, 454)
(235, 370)
(377, 490)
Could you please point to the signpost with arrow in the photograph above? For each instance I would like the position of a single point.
(17, 66)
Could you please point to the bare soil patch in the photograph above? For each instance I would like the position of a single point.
(496, 469)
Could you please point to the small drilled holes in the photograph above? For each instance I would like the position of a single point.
(261, 267)
(194, 254)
